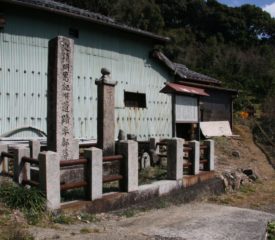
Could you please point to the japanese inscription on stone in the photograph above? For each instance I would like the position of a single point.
(60, 97)
(66, 93)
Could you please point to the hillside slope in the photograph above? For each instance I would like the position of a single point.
(233, 155)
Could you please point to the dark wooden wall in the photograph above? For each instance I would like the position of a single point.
(216, 107)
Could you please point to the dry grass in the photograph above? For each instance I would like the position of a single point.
(258, 195)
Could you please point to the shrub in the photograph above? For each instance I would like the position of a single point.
(30, 201)
(271, 230)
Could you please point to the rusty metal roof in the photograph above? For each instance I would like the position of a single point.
(183, 89)
(183, 72)
(64, 9)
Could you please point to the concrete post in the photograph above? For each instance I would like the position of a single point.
(21, 169)
(106, 113)
(175, 159)
(210, 153)
(3, 160)
(60, 137)
(94, 172)
(195, 156)
(49, 178)
(129, 149)
(34, 148)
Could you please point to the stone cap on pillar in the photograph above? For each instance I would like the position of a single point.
(105, 78)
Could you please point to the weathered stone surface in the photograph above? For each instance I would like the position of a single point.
(195, 156)
(121, 135)
(129, 149)
(60, 98)
(154, 156)
(3, 161)
(175, 159)
(210, 154)
(34, 148)
(106, 113)
(234, 180)
(94, 173)
(154, 150)
(145, 160)
(21, 171)
(49, 178)
(153, 143)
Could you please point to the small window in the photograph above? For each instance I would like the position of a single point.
(73, 32)
(132, 99)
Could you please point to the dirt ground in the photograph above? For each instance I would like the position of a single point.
(261, 194)
(214, 216)
(195, 221)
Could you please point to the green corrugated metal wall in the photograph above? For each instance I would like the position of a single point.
(23, 76)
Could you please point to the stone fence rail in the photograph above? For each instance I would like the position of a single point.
(193, 156)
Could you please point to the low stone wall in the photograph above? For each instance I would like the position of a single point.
(149, 197)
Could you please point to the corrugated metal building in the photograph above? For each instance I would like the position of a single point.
(99, 42)
(26, 26)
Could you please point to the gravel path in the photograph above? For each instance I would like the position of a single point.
(196, 221)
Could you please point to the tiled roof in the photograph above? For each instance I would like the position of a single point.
(183, 72)
(64, 9)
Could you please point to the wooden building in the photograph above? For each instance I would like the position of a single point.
(196, 98)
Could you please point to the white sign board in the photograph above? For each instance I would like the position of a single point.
(216, 129)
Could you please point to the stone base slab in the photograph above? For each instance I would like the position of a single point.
(146, 193)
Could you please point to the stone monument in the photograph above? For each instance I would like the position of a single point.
(60, 99)
(106, 112)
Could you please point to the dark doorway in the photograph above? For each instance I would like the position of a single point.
(188, 131)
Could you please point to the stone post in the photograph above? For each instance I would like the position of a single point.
(106, 113)
(34, 148)
(153, 144)
(129, 149)
(154, 150)
(210, 153)
(3, 160)
(175, 159)
(60, 99)
(21, 169)
(195, 156)
(94, 173)
(49, 178)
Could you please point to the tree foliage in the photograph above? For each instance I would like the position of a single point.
(235, 45)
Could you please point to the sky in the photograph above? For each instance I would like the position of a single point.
(267, 5)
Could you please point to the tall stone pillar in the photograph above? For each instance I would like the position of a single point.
(106, 113)
(60, 99)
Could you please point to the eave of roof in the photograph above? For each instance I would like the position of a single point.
(182, 71)
(183, 89)
(230, 90)
(66, 10)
